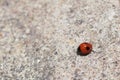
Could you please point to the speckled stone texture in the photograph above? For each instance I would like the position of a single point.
(39, 39)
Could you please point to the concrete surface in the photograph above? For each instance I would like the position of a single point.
(39, 39)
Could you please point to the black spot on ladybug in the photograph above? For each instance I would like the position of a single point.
(87, 48)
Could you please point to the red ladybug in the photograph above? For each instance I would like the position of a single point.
(84, 49)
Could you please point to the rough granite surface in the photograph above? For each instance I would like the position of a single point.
(39, 39)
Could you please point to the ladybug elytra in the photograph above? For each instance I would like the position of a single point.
(84, 49)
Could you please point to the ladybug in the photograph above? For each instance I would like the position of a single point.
(84, 49)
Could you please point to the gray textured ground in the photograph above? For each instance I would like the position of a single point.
(39, 38)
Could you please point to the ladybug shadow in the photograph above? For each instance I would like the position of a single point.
(80, 53)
